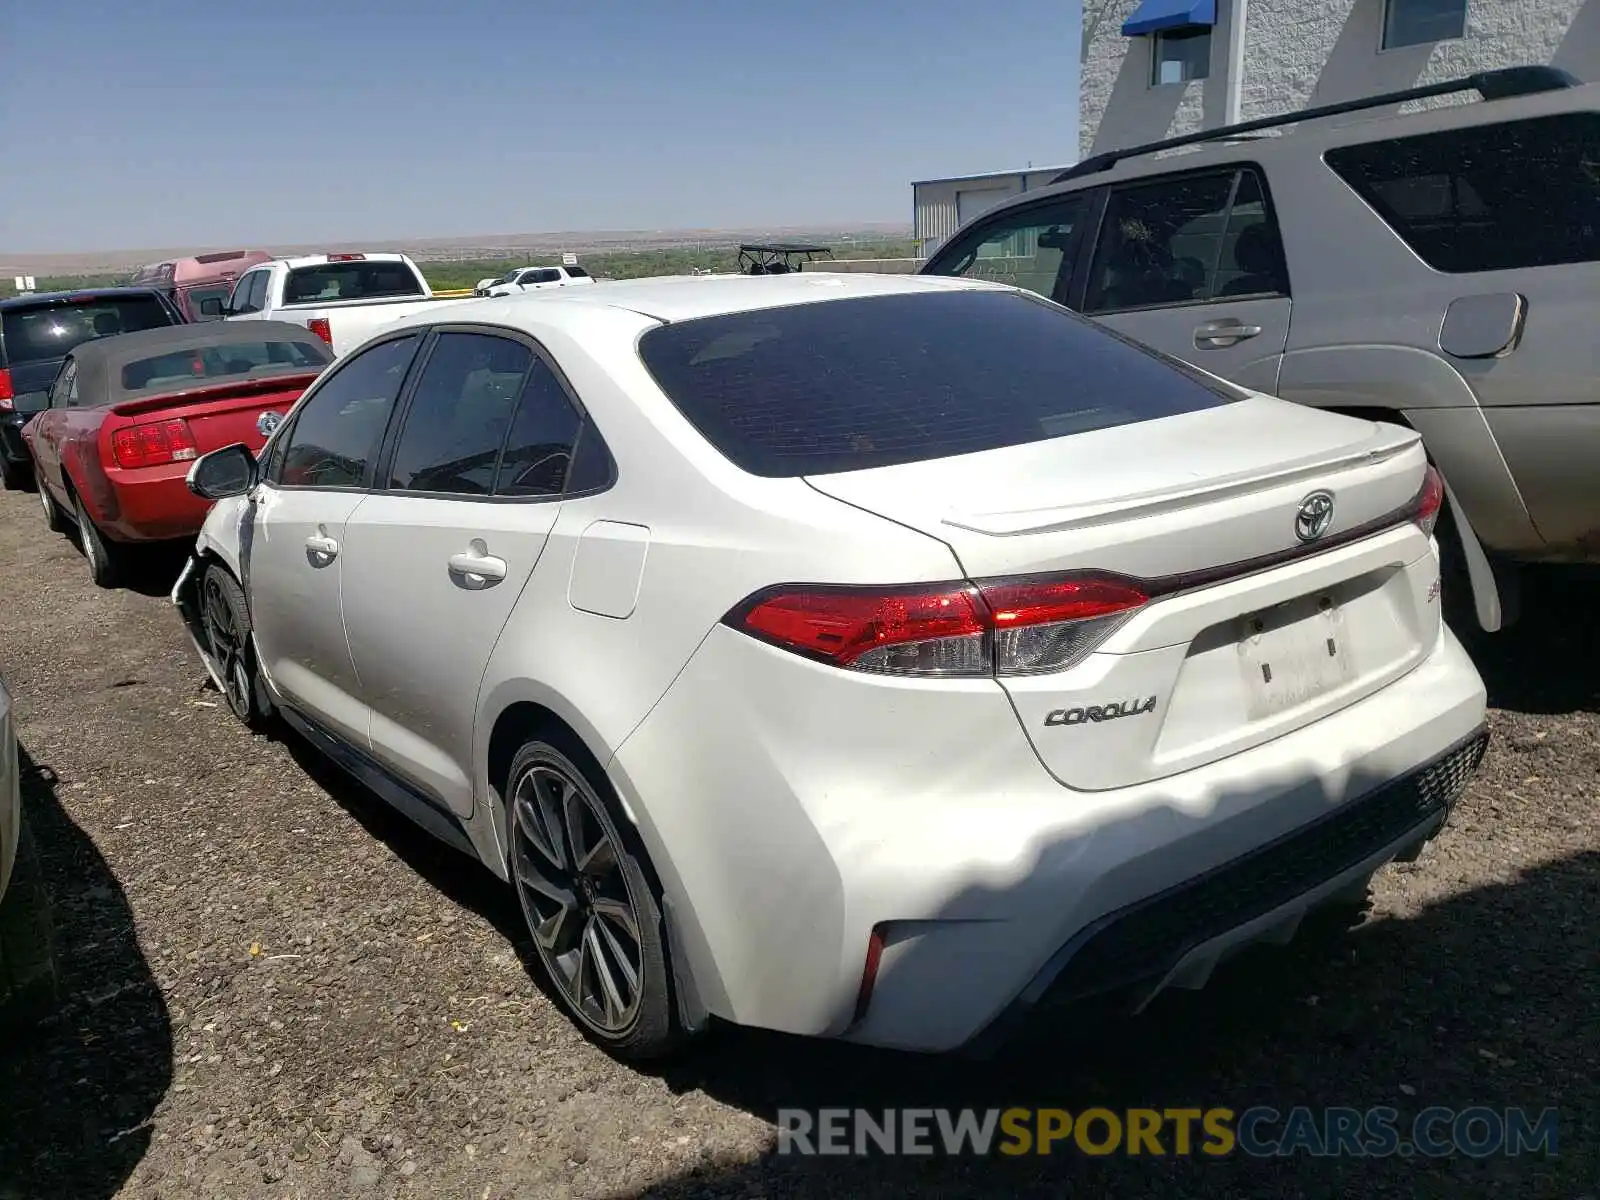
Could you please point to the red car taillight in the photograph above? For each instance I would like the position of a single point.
(6, 394)
(1430, 499)
(154, 444)
(1001, 627)
(320, 327)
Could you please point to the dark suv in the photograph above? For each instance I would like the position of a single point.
(37, 331)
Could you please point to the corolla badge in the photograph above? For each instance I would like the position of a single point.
(267, 422)
(1314, 517)
(1101, 712)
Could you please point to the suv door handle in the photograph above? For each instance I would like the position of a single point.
(321, 550)
(478, 570)
(1221, 334)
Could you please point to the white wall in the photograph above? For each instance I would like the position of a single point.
(1303, 52)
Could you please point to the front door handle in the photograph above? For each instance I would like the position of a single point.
(1218, 335)
(321, 550)
(477, 568)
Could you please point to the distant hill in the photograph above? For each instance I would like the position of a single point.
(481, 247)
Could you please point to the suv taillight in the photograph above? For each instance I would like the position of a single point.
(999, 627)
(154, 444)
(6, 394)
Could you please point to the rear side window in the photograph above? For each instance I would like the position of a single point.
(338, 281)
(577, 273)
(843, 385)
(49, 330)
(539, 451)
(200, 365)
(1490, 198)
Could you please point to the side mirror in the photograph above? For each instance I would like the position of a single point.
(230, 471)
(211, 306)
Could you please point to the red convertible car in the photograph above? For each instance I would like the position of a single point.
(128, 415)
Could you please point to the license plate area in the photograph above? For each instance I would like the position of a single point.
(1293, 653)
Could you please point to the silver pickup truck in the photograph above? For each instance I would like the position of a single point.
(27, 962)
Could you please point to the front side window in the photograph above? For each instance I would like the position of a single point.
(338, 429)
(1027, 247)
(459, 415)
(1490, 198)
(842, 385)
(1180, 55)
(1422, 22)
(1186, 240)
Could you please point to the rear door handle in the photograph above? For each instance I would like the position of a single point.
(1221, 334)
(321, 550)
(479, 569)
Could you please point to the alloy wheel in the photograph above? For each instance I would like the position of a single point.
(577, 900)
(88, 539)
(227, 646)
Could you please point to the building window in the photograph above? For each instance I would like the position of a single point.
(1422, 22)
(1180, 55)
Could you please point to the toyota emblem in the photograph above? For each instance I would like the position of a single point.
(267, 422)
(1314, 517)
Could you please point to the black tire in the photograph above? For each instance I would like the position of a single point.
(651, 1029)
(14, 477)
(225, 616)
(107, 559)
(55, 520)
(27, 941)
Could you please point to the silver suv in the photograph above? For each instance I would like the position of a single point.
(1436, 268)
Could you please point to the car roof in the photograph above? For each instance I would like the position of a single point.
(99, 359)
(687, 297)
(89, 293)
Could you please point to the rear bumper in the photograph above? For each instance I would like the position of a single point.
(150, 504)
(815, 811)
(12, 446)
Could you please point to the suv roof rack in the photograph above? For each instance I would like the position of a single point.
(1503, 84)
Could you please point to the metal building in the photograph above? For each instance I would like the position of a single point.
(941, 206)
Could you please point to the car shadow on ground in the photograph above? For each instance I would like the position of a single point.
(1490, 998)
(78, 1094)
(1549, 661)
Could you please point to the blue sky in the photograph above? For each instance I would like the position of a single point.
(172, 123)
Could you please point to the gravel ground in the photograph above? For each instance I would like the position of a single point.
(275, 988)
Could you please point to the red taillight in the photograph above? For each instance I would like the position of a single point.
(1003, 627)
(321, 327)
(1430, 499)
(869, 972)
(6, 394)
(154, 444)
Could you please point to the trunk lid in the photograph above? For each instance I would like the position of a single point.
(224, 414)
(1252, 631)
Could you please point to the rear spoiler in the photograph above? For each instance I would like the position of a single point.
(205, 394)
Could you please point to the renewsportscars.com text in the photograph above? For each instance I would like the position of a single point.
(1259, 1132)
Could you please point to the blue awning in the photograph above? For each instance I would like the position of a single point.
(1154, 16)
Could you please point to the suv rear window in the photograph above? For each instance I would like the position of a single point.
(842, 385)
(350, 281)
(1490, 198)
(37, 333)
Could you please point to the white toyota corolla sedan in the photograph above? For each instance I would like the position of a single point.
(858, 656)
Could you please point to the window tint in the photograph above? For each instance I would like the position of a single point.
(1180, 55)
(540, 447)
(577, 272)
(547, 276)
(197, 365)
(1026, 247)
(847, 384)
(199, 295)
(1422, 22)
(1179, 241)
(1490, 198)
(459, 415)
(338, 430)
(364, 280)
(37, 333)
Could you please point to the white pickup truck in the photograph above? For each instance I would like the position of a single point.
(342, 298)
(533, 279)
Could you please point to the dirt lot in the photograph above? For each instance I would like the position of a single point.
(275, 988)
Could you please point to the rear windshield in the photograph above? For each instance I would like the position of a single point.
(37, 334)
(350, 281)
(843, 385)
(202, 365)
(199, 295)
(1491, 198)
